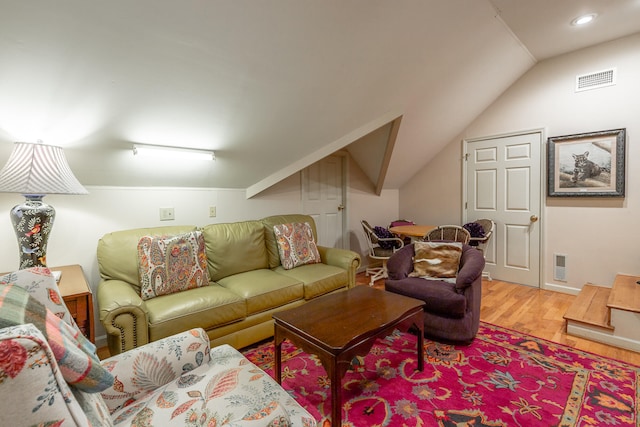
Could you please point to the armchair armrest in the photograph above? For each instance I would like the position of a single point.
(343, 258)
(471, 266)
(400, 264)
(144, 369)
(123, 314)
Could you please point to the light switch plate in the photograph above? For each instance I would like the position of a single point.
(167, 214)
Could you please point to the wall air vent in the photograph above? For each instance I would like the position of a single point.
(596, 80)
(560, 267)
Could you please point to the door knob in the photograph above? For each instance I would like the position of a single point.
(340, 207)
(533, 218)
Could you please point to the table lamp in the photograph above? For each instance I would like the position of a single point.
(36, 170)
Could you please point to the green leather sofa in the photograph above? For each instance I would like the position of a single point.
(247, 285)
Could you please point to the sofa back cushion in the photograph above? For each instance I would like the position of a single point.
(271, 239)
(118, 252)
(234, 248)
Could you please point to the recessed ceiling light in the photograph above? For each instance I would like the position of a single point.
(584, 19)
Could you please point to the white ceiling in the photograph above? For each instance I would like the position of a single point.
(543, 26)
(272, 86)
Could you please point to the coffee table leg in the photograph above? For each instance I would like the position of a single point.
(420, 351)
(420, 326)
(336, 395)
(277, 350)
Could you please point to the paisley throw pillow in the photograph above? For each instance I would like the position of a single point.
(296, 245)
(170, 264)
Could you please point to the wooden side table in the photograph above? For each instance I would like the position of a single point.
(77, 296)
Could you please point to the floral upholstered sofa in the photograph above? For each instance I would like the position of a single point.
(50, 375)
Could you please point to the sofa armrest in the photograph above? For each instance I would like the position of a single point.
(343, 258)
(123, 314)
(32, 389)
(471, 266)
(144, 369)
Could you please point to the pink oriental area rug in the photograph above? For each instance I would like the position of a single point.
(504, 378)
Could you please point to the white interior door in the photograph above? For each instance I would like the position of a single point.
(502, 183)
(323, 197)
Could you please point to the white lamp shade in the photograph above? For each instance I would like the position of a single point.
(38, 169)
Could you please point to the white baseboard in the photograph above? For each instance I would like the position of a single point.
(561, 288)
(101, 341)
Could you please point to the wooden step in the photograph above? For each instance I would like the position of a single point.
(625, 294)
(590, 307)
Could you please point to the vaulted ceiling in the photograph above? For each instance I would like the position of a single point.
(271, 86)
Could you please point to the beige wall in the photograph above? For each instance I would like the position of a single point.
(597, 235)
(365, 204)
(82, 220)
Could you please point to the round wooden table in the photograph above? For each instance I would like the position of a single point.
(413, 231)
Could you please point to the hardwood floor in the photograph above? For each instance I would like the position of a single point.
(525, 309)
(535, 312)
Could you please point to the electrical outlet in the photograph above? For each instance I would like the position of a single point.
(166, 214)
(212, 211)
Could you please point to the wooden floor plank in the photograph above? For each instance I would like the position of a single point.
(536, 318)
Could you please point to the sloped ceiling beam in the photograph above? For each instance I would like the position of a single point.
(373, 152)
(325, 151)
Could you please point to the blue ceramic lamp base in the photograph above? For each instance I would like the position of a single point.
(32, 223)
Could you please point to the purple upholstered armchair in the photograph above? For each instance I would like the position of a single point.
(452, 310)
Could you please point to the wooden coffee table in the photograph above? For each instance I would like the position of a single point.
(340, 326)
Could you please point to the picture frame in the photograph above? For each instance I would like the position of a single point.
(587, 164)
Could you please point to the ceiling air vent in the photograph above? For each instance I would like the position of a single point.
(596, 80)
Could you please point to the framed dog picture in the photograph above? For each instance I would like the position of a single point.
(587, 164)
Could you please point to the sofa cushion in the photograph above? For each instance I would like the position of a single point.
(318, 279)
(436, 259)
(234, 248)
(118, 252)
(270, 237)
(264, 289)
(440, 297)
(75, 355)
(170, 264)
(296, 244)
(206, 307)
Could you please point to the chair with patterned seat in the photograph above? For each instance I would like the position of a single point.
(380, 248)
